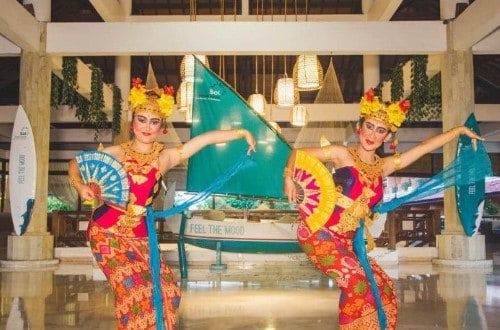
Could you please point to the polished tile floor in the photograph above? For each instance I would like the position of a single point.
(267, 296)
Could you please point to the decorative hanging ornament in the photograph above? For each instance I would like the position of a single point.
(299, 116)
(308, 73)
(258, 103)
(275, 126)
(285, 94)
(187, 66)
(185, 96)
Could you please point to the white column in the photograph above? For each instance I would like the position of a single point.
(123, 81)
(457, 85)
(371, 71)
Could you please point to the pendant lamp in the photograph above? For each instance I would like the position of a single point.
(257, 101)
(285, 93)
(187, 66)
(185, 96)
(275, 126)
(308, 73)
(299, 115)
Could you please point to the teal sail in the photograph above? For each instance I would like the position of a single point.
(470, 197)
(217, 106)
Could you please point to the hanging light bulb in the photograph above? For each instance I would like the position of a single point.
(275, 126)
(184, 96)
(308, 73)
(258, 103)
(285, 93)
(299, 115)
(187, 66)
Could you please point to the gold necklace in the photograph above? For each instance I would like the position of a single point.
(369, 172)
(140, 157)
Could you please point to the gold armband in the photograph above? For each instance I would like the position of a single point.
(73, 179)
(180, 150)
(327, 152)
(240, 133)
(287, 172)
(397, 161)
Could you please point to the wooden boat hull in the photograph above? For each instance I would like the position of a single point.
(237, 235)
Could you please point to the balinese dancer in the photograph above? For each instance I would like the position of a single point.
(118, 236)
(358, 175)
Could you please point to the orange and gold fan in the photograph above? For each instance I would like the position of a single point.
(316, 190)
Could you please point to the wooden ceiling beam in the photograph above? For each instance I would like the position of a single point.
(246, 38)
(19, 26)
(480, 19)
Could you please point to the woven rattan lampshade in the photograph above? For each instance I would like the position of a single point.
(299, 115)
(188, 118)
(275, 126)
(285, 93)
(187, 66)
(258, 103)
(185, 96)
(308, 73)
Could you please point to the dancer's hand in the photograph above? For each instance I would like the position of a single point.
(251, 142)
(470, 133)
(290, 189)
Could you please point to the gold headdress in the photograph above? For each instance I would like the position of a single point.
(392, 114)
(150, 98)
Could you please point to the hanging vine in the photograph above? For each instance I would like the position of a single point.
(70, 81)
(117, 109)
(433, 107)
(55, 90)
(82, 109)
(397, 84)
(98, 118)
(420, 89)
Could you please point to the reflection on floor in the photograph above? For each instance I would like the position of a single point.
(268, 296)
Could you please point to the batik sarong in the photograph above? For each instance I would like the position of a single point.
(333, 254)
(125, 262)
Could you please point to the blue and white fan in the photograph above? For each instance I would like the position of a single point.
(106, 175)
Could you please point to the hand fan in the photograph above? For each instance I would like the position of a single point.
(105, 175)
(316, 190)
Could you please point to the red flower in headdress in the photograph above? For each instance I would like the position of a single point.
(169, 90)
(404, 105)
(137, 82)
(370, 95)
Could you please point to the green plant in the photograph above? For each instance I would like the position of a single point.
(55, 90)
(397, 84)
(491, 208)
(433, 108)
(91, 112)
(98, 118)
(82, 109)
(420, 89)
(117, 109)
(70, 81)
(54, 204)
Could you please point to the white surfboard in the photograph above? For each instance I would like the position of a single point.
(378, 225)
(22, 172)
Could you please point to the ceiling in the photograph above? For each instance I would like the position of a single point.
(240, 71)
(349, 69)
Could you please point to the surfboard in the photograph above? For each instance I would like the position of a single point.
(22, 172)
(378, 225)
(470, 198)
